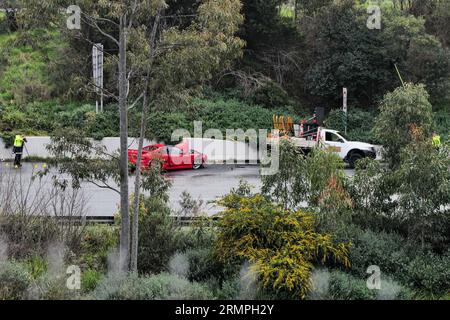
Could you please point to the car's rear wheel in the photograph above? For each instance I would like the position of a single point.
(198, 164)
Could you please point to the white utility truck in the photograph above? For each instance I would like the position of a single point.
(308, 134)
(334, 141)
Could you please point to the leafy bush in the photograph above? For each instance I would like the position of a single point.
(157, 236)
(430, 273)
(282, 245)
(420, 270)
(271, 95)
(155, 287)
(52, 287)
(162, 124)
(204, 266)
(346, 287)
(388, 251)
(215, 114)
(90, 279)
(36, 266)
(27, 236)
(14, 281)
(360, 124)
(400, 111)
(96, 245)
(337, 285)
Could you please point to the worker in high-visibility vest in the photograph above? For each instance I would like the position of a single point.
(19, 143)
(437, 141)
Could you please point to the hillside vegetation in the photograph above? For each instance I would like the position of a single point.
(293, 62)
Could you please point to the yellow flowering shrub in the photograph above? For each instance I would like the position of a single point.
(281, 245)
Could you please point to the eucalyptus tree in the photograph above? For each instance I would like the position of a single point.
(148, 58)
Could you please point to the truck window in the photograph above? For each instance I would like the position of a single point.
(331, 137)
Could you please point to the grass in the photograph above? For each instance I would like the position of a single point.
(23, 68)
(287, 11)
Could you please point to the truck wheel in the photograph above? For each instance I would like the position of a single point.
(355, 157)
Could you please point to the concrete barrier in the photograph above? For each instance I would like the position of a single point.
(217, 151)
(37, 147)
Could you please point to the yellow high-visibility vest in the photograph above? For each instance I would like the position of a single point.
(18, 141)
(437, 141)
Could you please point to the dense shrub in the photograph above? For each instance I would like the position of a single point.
(157, 236)
(28, 236)
(162, 124)
(90, 279)
(155, 287)
(388, 251)
(204, 266)
(215, 114)
(52, 287)
(337, 285)
(359, 124)
(14, 281)
(281, 245)
(271, 95)
(430, 273)
(401, 110)
(96, 245)
(346, 287)
(418, 269)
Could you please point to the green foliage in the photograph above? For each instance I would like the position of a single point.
(400, 111)
(424, 191)
(288, 186)
(14, 281)
(90, 279)
(96, 245)
(411, 200)
(52, 287)
(359, 124)
(216, 113)
(271, 95)
(346, 287)
(423, 271)
(36, 266)
(155, 287)
(27, 236)
(343, 286)
(430, 273)
(315, 178)
(281, 245)
(161, 125)
(23, 74)
(157, 236)
(342, 52)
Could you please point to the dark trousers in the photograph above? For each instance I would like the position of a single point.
(17, 159)
(18, 151)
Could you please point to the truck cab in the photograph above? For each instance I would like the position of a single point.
(349, 151)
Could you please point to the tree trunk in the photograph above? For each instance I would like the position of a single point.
(124, 258)
(145, 107)
(137, 185)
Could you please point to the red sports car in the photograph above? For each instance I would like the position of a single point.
(169, 157)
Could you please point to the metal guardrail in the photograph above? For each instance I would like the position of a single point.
(109, 220)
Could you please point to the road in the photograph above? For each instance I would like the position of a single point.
(207, 185)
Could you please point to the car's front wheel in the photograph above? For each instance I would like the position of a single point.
(354, 157)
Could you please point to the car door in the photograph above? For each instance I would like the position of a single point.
(178, 159)
(335, 143)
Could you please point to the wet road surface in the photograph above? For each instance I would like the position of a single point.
(207, 185)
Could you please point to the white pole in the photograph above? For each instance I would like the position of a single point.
(345, 106)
